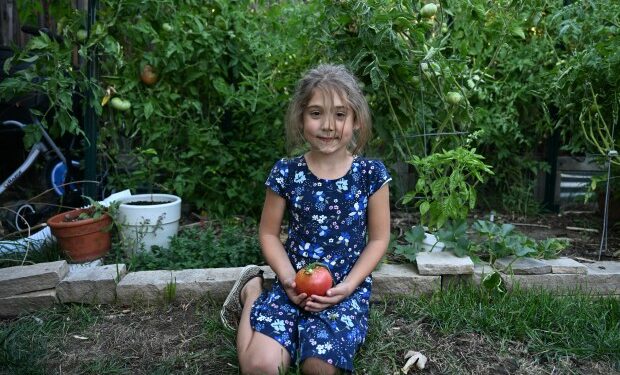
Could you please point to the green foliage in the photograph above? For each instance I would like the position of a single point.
(50, 73)
(96, 210)
(499, 241)
(215, 115)
(491, 242)
(585, 82)
(492, 286)
(445, 189)
(521, 71)
(399, 56)
(228, 244)
(413, 243)
(170, 290)
(454, 237)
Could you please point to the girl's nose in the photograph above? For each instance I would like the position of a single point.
(329, 124)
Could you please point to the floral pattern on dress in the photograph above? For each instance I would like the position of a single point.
(328, 224)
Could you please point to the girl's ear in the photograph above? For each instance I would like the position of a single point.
(356, 125)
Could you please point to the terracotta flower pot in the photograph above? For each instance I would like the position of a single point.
(81, 240)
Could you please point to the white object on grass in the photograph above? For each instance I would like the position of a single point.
(414, 358)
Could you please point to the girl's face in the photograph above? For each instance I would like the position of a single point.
(328, 128)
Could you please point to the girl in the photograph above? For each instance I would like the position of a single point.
(339, 215)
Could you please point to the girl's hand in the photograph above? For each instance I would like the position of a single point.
(334, 296)
(289, 288)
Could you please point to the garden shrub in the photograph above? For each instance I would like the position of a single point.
(522, 71)
(231, 243)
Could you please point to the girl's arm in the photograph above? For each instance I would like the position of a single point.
(378, 240)
(271, 246)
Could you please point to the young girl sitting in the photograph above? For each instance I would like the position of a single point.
(338, 209)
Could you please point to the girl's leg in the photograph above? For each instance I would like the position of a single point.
(316, 366)
(258, 353)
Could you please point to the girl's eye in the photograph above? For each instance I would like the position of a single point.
(315, 114)
(341, 115)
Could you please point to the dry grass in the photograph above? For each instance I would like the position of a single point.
(188, 339)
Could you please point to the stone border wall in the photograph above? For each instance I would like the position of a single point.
(29, 288)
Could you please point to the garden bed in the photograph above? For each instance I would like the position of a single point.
(581, 228)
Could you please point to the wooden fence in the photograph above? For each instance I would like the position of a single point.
(10, 22)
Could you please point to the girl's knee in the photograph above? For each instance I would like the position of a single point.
(264, 362)
(262, 365)
(316, 366)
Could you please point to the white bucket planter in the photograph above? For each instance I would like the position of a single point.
(143, 225)
(430, 243)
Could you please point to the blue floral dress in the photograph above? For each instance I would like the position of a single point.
(327, 224)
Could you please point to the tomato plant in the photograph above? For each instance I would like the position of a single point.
(313, 279)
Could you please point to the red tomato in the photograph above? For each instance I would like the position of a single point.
(148, 75)
(313, 279)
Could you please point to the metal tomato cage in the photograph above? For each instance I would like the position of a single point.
(90, 116)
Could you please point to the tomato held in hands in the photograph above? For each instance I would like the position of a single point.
(313, 279)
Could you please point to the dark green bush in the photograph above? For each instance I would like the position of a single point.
(225, 244)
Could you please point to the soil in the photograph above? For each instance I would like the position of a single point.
(146, 203)
(188, 339)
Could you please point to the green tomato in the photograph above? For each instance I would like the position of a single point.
(81, 35)
(120, 104)
(454, 97)
(594, 108)
(166, 26)
(428, 10)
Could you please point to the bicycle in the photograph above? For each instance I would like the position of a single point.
(22, 213)
(58, 177)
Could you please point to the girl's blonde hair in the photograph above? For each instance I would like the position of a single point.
(329, 79)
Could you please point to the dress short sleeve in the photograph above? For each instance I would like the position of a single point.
(278, 178)
(378, 176)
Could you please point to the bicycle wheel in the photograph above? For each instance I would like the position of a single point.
(19, 215)
(56, 176)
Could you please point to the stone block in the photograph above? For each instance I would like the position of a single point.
(391, 279)
(93, 285)
(604, 277)
(23, 279)
(562, 283)
(444, 263)
(188, 284)
(522, 266)
(27, 302)
(566, 265)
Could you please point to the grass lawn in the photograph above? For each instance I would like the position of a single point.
(460, 331)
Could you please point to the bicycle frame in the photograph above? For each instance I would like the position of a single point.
(36, 150)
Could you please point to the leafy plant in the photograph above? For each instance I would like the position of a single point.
(454, 236)
(95, 209)
(499, 241)
(47, 70)
(221, 244)
(413, 244)
(446, 184)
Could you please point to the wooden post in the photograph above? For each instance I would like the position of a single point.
(9, 23)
